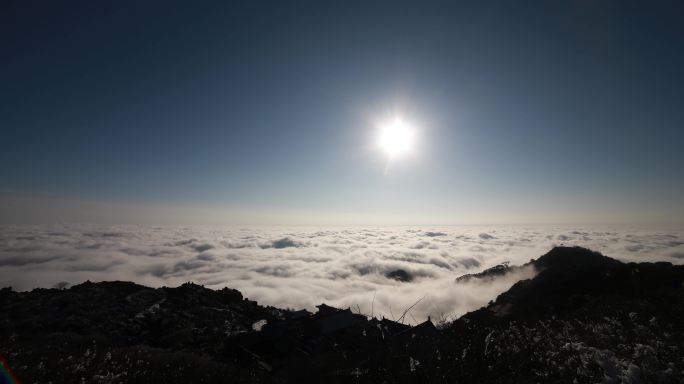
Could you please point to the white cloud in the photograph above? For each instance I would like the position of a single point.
(302, 267)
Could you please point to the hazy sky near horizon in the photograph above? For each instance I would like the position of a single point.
(266, 112)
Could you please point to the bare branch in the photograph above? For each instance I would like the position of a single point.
(403, 315)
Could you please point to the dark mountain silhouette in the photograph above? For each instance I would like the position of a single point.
(583, 318)
(493, 272)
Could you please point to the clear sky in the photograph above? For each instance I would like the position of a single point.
(268, 112)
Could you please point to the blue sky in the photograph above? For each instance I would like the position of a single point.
(265, 111)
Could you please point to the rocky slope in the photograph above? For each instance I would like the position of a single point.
(583, 318)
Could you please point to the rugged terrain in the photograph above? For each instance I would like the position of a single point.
(583, 318)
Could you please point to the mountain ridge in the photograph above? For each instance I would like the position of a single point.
(583, 312)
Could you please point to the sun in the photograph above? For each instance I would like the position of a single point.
(396, 137)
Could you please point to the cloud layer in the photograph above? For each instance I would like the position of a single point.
(380, 270)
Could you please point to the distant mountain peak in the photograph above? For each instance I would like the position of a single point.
(573, 257)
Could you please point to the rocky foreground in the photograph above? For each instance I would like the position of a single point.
(583, 318)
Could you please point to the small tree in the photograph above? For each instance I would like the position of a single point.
(61, 285)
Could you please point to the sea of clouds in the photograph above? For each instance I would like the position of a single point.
(302, 267)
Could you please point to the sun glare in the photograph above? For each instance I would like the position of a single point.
(396, 137)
